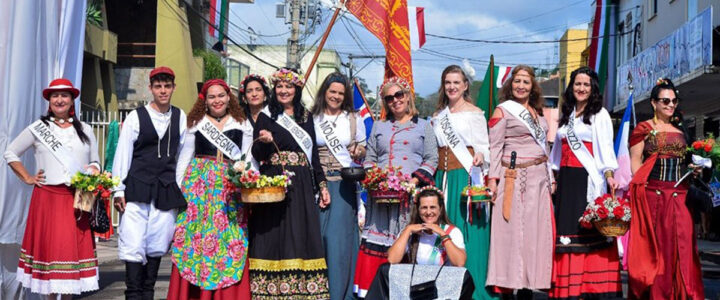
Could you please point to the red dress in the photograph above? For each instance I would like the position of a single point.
(663, 259)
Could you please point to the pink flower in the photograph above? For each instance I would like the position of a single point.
(204, 271)
(198, 188)
(221, 264)
(197, 242)
(225, 282)
(191, 211)
(179, 238)
(188, 274)
(220, 220)
(236, 249)
(210, 245)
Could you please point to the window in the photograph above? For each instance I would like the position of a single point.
(652, 9)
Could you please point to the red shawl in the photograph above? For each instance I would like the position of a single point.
(644, 258)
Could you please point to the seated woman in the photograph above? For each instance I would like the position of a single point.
(429, 239)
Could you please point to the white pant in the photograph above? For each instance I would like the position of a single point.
(145, 231)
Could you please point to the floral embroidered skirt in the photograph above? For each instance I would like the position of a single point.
(287, 259)
(58, 249)
(210, 243)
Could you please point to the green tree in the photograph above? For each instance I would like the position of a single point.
(213, 65)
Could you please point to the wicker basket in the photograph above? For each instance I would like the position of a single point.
(388, 197)
(271, 194)
(83, 200)
(612, 227)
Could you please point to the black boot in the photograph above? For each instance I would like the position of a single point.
(151, 273)
(134, 276)
(525, 294)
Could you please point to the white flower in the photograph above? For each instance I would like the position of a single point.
(565, 240)
(239, 166)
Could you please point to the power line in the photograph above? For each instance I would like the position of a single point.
(525, 42)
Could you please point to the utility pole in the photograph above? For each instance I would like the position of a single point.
(293, 48)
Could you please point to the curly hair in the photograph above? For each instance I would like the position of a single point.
(415, 219)
(443, 99)
(299, 111)
(536, 98)
(320, 104)
(595, 100)
(199, 109)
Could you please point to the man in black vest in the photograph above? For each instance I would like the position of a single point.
(149, 195)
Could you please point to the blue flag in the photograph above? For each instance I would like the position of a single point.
(363, 110)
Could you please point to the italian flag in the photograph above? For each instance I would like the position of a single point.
(495, 76)
(218, 13)
(599, 41)
(416, 22)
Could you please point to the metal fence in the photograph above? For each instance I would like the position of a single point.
(100, 122)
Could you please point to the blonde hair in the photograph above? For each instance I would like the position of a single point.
(412, 110)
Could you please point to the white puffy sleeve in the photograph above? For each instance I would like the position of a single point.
(603, 144)
(479, 139)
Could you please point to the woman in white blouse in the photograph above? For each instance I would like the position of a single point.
(58, 249)
(584, 160)
(462, 135)
(340, 136)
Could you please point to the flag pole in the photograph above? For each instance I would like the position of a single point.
(338, 8)
(492, 84)
(362, 95)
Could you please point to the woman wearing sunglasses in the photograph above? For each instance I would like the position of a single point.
(663, 262)
(401, 139)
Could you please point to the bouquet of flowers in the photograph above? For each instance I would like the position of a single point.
(255, 187)
(88, 187)
(387, 185)
(705, 152)
(610, 215)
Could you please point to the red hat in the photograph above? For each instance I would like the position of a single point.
(162, 70)
(60, 84)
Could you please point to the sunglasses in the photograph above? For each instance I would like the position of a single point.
(666, 101)
(390, 98)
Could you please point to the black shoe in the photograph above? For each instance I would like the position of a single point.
(134, 276)
(151, 274)
(525, 294)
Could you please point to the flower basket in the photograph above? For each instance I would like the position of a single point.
(608, 214)
(255, 187)
(88, 187)
(389, 196)
(477, 194)
(269, 194)
(612, 227)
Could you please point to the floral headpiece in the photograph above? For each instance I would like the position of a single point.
(241, 89)
(287, 75)
(396, 81)
(660, 81)
(417, 192)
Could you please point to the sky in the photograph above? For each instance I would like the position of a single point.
(511, 20)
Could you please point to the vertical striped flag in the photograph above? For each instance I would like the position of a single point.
(218, 14)
(623, 175)
(599, 41)
(362, 109)
(416, 21)
(495, 76)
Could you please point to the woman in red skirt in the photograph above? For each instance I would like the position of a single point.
(586, 263)
(58, 250)
(663, 261)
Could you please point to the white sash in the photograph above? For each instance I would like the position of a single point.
(340, 152)
(300, 135)
(48, 138)
(522, 114)
(596, 183)
(444, 130)
(221, 141)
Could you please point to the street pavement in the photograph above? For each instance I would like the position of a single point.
(112, 273)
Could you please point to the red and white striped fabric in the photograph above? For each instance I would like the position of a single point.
(502, 73)
(416, 19)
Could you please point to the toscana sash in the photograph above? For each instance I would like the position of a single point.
(328, 132)
(446, 132)
(522, 114)
(221, 141)
(300, 135)
(48, 138)
(595, 182)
